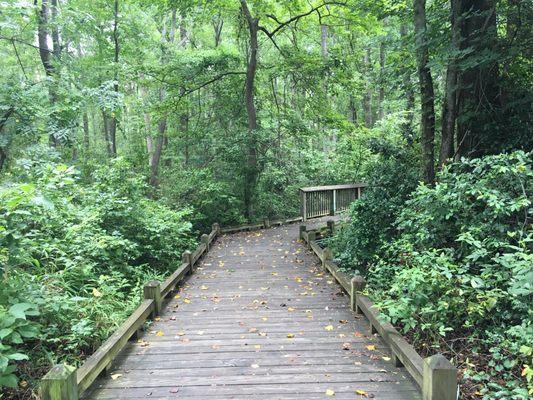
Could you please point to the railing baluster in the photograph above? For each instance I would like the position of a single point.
(328, 200)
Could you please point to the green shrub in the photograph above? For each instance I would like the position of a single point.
(75, 252)
(461, 269)
(392, 177)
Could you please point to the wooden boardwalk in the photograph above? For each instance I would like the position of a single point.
(257, 320)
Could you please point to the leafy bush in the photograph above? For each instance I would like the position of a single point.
(75, 252)
(392, 177)
(458, 276)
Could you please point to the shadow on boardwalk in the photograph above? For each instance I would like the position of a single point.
(257, 320)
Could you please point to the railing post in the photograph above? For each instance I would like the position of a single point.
(333, 208)
(302, 230)
(439, 379)
(358, 284)
(205, 240)
(327, 256)
(266, 223)
(152, 291)
(186, 258)
(304, 205)
(331, 226)
(60, 383)
(311, 235)
(216, 228)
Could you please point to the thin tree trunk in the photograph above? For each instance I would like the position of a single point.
(112, 120)
(251, 173)
(426, 91)
(409, 95)
(381, 98)
(324, 40)
(86, 139)
(218, 24)
(55, 31)
(449, 106)
(367, 97)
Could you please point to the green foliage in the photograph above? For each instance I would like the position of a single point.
(391, 179)
(75, 254)
(460, 268)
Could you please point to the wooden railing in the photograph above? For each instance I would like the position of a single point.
(435, 375)
(318, 201)
(64, 382)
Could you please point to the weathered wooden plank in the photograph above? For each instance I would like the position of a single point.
(95, 364)
(332, 187)
(269, 282)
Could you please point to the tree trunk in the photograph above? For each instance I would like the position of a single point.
(478, 97)
(112, 130)
(107, 140)
(449, 106)
(367, 97)
(381, 98)
(218, 24)
(86, 139)
(251, 173)
(55, 31)
(324, 40)
(426, 91)
(409, 95)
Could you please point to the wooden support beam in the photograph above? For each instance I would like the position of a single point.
(357, 285)
(303, 229)
(331, 226)
(439, 379)
(60, 383)
(152, 291)
(186, 258)
(205, 240)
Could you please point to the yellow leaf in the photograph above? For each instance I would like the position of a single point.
(203, 287)
(290, 335)
(371, 347)
(160, 333)
(177, 296)
(186, 301)
(290, 309)
(329, 328)
(115, 376)
(96, 293)
(386, 358)
(361, 392)
(330, 392)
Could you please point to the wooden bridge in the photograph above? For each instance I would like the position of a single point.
(254, 315)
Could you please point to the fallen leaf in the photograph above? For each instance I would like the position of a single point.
(203, 287)
(254, 366)
(329, 328)
(160, 333)
(115, 376)
(361, 392)
(371, 347)
(386, 358)
(330, 392)
(290, 335)
(186, 301)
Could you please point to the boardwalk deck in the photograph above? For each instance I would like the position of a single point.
(258, 320)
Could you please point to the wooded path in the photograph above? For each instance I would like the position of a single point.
(258, 319)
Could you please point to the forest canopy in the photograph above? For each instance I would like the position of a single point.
(128, 127)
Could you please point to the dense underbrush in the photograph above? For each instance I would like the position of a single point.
(74, 254)
(451, 265)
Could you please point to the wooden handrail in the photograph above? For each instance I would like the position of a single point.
(318, 201)
(435, 375)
